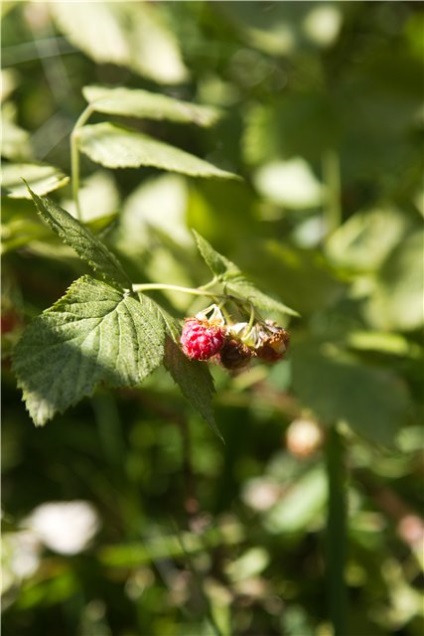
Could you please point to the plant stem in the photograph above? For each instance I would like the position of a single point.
(336, 539)
(75, 163)
(186, 290)
(331, 171)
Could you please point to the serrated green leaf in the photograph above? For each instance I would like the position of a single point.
(244, 289)
(117, 147)
(141, 103)
(194, 379)
(217, 263)
(93, 334)
(40, 178)
(235, 283)
(79, 237)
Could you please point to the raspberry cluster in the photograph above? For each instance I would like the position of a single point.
(208, 336)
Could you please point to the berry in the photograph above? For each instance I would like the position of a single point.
(234, 354)
(273, 342)
(201, 340)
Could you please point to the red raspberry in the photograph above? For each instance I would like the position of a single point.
(200, 340)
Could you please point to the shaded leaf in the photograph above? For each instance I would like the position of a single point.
(19, 224)
(397, 298)
(117, 147)
(298, 125)
(194, 379)
(93, 334)
(364, 241)
(244, 289)
(40, 178)
(140, 103)
(301, 276)
(218, 264)
(79, 237)
(371, 400)
(235, 283)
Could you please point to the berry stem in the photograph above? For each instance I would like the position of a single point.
(336, 538)
(252, 318)
(199, 291)
(75, 159)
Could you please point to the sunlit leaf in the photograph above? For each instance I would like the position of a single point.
(116, 147)
(155, 51)
(128, 34)
(98, 198)
(93, 334)
(94, 27)
(289, 183)
(144, 104)
(41, 178)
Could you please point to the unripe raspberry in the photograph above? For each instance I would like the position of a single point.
(234, 354)
(200, 340)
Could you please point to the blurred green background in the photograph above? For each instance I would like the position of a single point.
(126, 515)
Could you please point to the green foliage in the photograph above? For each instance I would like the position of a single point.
(194, 380)
(117, 147)
(42, 179)
(98, 333)
(370, 400)
(82, 241)
(396, 302)
(235, 283)
(220, 266)
(139, 103)
(93, 334)
(125, 34)
(315, 497)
